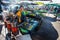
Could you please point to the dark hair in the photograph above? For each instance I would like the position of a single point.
(21, 6)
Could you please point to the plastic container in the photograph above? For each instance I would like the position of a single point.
(15, 31)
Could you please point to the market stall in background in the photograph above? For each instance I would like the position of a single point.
(22, 18)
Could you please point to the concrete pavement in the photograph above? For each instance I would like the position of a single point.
(50, 30)
(57, 27)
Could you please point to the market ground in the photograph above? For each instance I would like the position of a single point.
(50, 30)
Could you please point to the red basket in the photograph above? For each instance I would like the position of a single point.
(14, 29)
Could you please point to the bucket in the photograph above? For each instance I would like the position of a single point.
(15, 31)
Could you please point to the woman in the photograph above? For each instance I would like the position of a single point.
(20, 15)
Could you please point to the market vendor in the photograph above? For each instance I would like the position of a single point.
(20, 15)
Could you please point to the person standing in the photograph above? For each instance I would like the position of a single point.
(20, 15)
(0, 6)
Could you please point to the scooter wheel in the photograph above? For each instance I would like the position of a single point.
(13, 39)
(8, 36)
